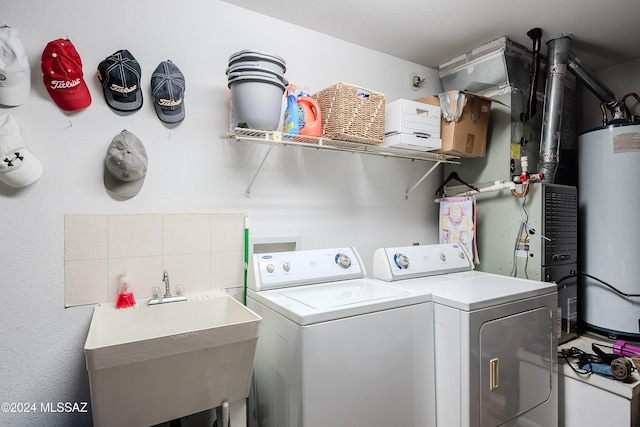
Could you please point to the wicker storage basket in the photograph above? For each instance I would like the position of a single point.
(351, 113)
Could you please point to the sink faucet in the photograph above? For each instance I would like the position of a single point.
(165, 279)
(167, 293)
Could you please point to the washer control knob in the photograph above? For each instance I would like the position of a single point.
(286, 266)
(343, 260)
(402, 261)
(270, 268)
(443, 257)
(461, 255)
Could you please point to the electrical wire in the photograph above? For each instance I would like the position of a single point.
(573, 274)
(585, 362)
(522, 237)
(584, 359)
(568, 276)
(610, 286)
(523, 226)
(530, 229)
(514, 265)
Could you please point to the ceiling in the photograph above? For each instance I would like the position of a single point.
(432, 32)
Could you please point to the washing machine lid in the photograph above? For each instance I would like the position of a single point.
(475, 290)
(306, 305)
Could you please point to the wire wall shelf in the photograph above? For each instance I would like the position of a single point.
(276, 138)
(279, 138)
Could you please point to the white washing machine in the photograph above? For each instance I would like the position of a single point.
(337, 349)
(494, 337)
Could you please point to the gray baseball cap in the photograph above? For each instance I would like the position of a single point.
(125, 166)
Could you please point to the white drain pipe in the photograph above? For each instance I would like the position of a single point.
(225, 414)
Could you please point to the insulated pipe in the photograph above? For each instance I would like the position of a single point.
(534, 34)
(557, 60)
(595, 85)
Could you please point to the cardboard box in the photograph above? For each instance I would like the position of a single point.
(464, 123)
(412, 125)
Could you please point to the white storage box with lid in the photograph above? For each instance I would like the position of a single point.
(412, 125)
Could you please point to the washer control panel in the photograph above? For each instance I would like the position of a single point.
(295, 268)
(407, 262)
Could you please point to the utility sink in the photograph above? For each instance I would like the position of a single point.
(151, 364)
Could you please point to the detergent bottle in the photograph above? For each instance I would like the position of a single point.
(310, 114)
(301, 110)
(291, 117)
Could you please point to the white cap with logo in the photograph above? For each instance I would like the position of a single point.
(15, 75)
(18, 167)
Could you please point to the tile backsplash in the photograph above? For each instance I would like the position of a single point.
(200, 251)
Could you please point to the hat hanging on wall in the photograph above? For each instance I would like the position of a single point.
(15, 75)
(125, 166)
(120, 75)
(63, 77)
(18, 167)
(167, 87)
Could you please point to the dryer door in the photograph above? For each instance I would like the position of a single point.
(515, 365)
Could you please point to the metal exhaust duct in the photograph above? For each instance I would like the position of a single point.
(595, 85)
(560, 59)
(557, 64)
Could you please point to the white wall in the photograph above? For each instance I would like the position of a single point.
(329, 199)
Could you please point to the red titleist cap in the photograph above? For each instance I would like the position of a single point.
(63, 77)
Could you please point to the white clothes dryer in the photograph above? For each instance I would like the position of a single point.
(337, 349)
(494, 337)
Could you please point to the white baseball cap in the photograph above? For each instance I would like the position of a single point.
(18, 167)
(15, 75)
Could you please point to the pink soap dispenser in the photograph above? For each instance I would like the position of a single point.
(125, 296)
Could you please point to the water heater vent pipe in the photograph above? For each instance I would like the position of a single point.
(560, 59)
(557, 65)
(604, 94)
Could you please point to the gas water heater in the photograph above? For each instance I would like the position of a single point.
(610, 236)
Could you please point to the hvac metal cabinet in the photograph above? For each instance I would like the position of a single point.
(501, 70)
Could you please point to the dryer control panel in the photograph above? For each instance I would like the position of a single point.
(296, 268)
(408, 262)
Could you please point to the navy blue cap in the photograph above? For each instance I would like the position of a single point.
(120, 76)
(167, 87)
